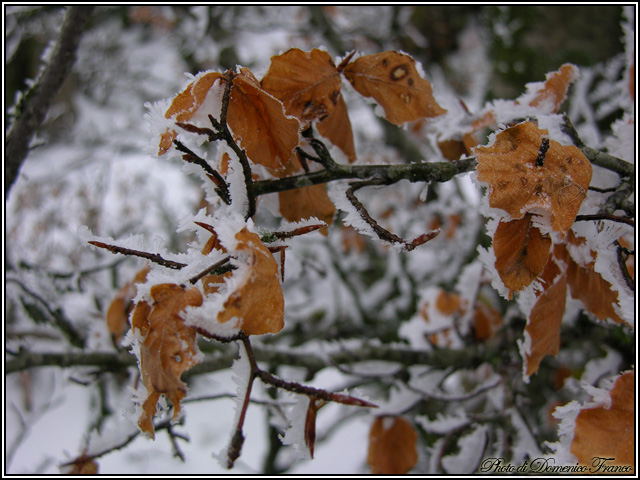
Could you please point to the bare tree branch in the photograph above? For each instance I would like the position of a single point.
(37, 100)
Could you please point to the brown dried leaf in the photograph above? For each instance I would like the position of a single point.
(596, 294)
(168, 348)
(392, 446)
(486, 321)
(521, 252)
(121, 306)
(260, 126)
(185, 105)
(543, 324)
(306, 202)
(555, 88)
(609, 432)
(392, 79)
(448, 302)
(519, 184)
(83, 466)
(310, 425)
(337, 128)
(307, 83)
(256, 119)
(257, 303)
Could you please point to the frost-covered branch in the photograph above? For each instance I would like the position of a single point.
(34, 107)
(385, 174)
(154, 257)
(116, 361)
(602, 159)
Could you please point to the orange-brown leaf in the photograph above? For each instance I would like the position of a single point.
(522, 179)
(185, 105)
(337, 128)
(306, 202)
(555, 88)
(448, 302)
(486, 321)
(260, 126)
(608, 432)
(120, 307)
(392, 446)
(595, 292)
(310, 425)
(521, 252)
(392, 79)
(168, 348)
(307, 83)
(256, 119)
(543, 324)
(258, 302)
(83, 466)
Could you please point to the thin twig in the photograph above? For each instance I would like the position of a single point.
(622, 264)
(59, 318)
(216, 266)
(613, 218)
(222, 188)
(387, 174)
(604, 160)
(223, 133)
(235, 448)
(383, 233)
(154, 257)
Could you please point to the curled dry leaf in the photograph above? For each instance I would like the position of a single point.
(392, 79)
(595, 293)
(185, 105)
(521, 252)
(259, 124)
(307, 83)
(167, 348)
(608, 432)
(256, 119)
(548, 96)
(555, 88)
(257, 303)
(543, 324)
(310, 425)
(525, 179)
(306, 202)
(337, 128)
(392, 446)
(121, 306)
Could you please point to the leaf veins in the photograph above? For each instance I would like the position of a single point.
(518, 186)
